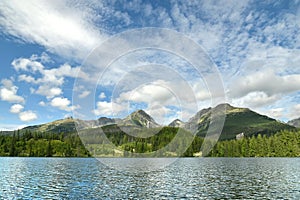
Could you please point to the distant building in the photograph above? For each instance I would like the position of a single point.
(239, 136)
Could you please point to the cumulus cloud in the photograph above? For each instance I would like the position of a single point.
(149, 93)
(42, 103)
(16, 108)
(255, 99)
(55, 76)
(102, 95)
(27, 116)
(161, 99)
(48, 91)
(84, 94)
(264, 85)
(109, 108)
(162, 114)
(275, 113)
(27, 64)
(62, 104)
(8, 92)
(26, 78)
(65, 70)
(50, 80)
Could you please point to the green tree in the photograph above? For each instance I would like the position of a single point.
(49, 149)
(12, 150)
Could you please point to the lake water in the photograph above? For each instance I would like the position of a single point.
(186, 178)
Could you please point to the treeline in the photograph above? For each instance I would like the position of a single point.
(167, 141)
(282, 144)
(155, 142)
(39, 144)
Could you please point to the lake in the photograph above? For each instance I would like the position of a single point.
(185, 178)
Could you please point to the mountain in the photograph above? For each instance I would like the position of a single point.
(295, 122)
(177, 123)
(102, 121)
(63, 125)
(237, 121)
(139, 118)
(67, 125)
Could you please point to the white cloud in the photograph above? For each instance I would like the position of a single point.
(159, 92)
(10, 95)
(102, 95)
(266, 81)
(42, 103)
(43, 58)
(11, 127)
(26, 78)
(48, 91)
(84, 94)
(65, 70)
(50, 80)
(27, 65)
(294, 112)
(62, 104)
(32, 90)
(7, 83)
(161, 99)
(105, 108)
(16, 108)
(276, 113)
(161, 114)
(149, 93)
(61, 27)
(255, 99)
(8, 92)
(54, 76)
(27, 116)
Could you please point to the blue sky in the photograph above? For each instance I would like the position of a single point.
(47, 46)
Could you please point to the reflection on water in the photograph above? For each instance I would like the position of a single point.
(194, 178)
(137, 164)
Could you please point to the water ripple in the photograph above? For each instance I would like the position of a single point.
(187, 178)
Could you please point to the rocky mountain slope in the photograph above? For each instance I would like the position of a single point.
(237, 121)
(295, 122)
(177, 123)
(139, 118)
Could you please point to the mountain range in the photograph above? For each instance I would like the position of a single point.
(238, 121)
(295, 122)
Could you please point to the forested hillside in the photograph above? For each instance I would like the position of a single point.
(38, 144)
(282, 144)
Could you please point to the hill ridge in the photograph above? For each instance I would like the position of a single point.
(237, 120)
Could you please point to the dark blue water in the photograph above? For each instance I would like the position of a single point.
(186, 178)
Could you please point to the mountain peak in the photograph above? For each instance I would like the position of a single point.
(237, 120)
(141, 113)
(139, 118)
(177, 123)
(227, 105)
